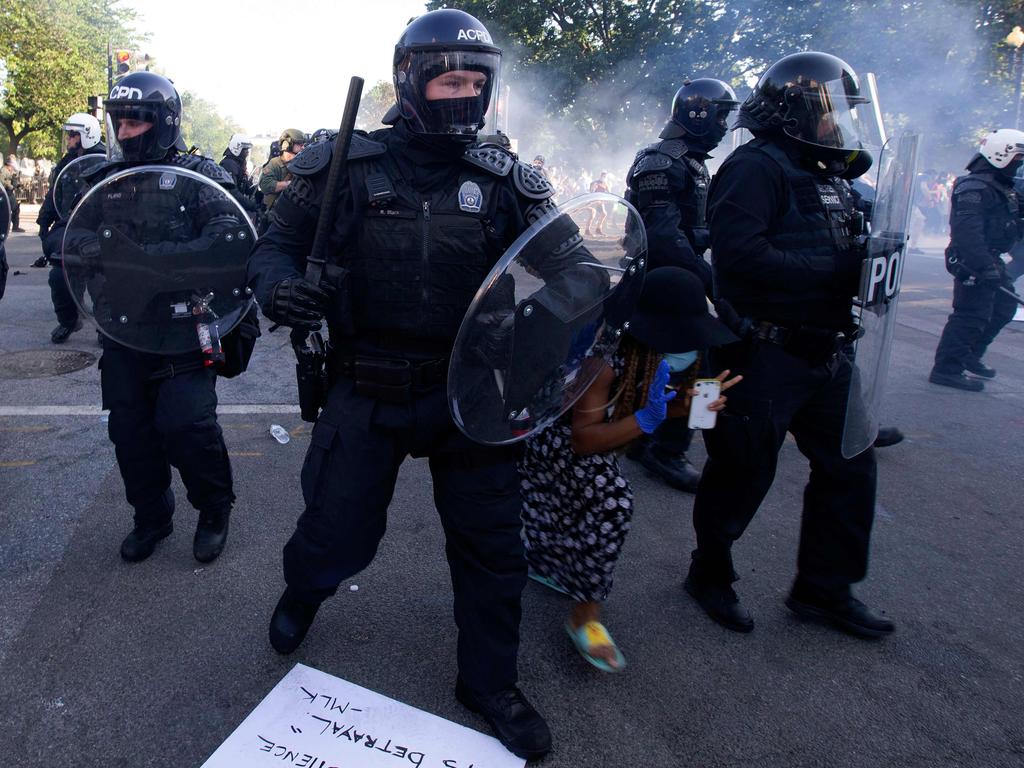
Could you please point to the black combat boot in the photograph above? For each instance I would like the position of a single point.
(955, 380)
(140, 543)
(978, 368)
(676, 471)
(152, 523)
(513, 719)
(888, 436)
(211, 534)
(720, 602)
(291, 621)
(840, 608)
(61, 333)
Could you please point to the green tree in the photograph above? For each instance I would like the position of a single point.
(599, 72)
(203, 127)
(375, 104)
(52, 57)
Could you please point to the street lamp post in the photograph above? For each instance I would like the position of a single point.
(1016, 39)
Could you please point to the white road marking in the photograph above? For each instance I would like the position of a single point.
(95, 410)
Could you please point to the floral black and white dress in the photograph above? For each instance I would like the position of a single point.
(576, 510)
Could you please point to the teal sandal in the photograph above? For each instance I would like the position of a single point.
(593, 634)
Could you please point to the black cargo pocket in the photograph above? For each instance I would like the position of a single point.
(316, 468)
(741, 433)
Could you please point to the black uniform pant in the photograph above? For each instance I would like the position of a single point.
(348, 480)
(63, 304)
(782, 392)
(157, 424)
(979, 313)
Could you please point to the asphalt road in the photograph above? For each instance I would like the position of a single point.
(108, 664)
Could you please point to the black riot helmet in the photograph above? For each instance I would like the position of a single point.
(813, 99)
(701, 109)
(144, 97)
(322, 134)
(439, 42)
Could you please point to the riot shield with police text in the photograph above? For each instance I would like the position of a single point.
(72, 182)
(546, 319)
(156, 256)
(875, 304)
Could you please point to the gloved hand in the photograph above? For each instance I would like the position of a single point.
(991, 275)
(493, 340)
(656, 411)
(298, 304)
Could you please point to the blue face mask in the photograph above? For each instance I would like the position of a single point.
(680, 361)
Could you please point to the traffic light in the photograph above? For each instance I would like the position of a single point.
(122, 62)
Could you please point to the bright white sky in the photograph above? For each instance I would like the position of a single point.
(274, 65)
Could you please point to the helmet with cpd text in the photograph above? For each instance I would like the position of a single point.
(143, 118)
(452, 43)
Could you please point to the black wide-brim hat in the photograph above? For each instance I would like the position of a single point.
(672, 314)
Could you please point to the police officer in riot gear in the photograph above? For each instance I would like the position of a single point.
(235, 159)
(162, 409)
(421, 218)
(668, 184)
(786, 257)
(82, 137)
(984, 223)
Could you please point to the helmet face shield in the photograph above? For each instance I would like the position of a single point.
(70, 140)
(447, 92)
(831, 115)
(126, 142)
(708, 116)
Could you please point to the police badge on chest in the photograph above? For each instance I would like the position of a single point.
(470, 197)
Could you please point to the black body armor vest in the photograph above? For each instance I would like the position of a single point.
(1003, 226)
(820, 224)
(418, 259)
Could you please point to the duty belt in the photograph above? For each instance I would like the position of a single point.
(817, 345)
(391, 380)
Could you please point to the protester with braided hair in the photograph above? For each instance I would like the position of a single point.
(577, 506)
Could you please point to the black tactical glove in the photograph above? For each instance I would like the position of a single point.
(991, 275)
(493, 341)
(298, 303)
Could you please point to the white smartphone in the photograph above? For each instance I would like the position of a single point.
(708, 391)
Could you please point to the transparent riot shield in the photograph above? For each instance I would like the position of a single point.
(71, 183)
(5, 215)
(546, 319)
(156, 256)
(875, 305)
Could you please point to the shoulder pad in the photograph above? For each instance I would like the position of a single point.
(363, 146)
(204, 166)
(674, 148)
(530, 182)
(491, 158)
(650, 160)
(316, 157)
(312, 159)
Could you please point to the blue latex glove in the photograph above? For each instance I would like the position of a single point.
(656, 410)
